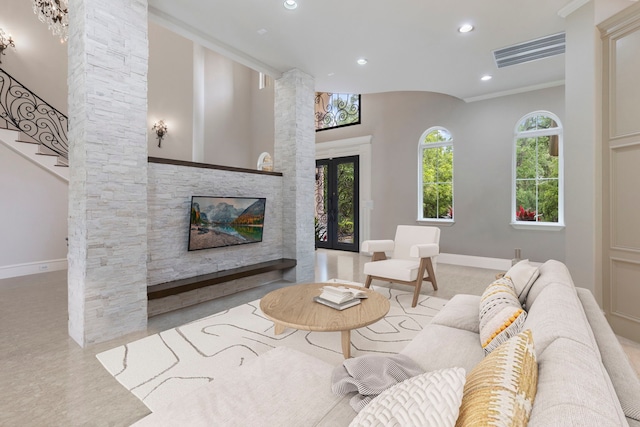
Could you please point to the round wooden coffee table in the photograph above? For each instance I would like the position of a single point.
(294, 307)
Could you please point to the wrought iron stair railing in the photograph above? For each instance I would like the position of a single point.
(26, 112)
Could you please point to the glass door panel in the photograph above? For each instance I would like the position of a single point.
(336, 210)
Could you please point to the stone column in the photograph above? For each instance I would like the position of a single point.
(294, 156)
(107, 279)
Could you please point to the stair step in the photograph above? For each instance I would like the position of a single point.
(29, 151)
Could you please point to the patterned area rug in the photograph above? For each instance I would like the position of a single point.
(161, 367)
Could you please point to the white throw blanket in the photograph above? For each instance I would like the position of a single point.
(370, 375)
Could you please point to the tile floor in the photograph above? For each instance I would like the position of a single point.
(46, 379)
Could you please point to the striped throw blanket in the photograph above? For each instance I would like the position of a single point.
(370, 375)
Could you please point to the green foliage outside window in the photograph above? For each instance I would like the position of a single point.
(346, 214)
(537, 170)
(437, 175)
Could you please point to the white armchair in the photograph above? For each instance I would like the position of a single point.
(414, 251)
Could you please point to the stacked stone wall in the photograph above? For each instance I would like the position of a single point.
(108, 176)
(170, 190)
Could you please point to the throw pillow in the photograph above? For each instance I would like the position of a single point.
(501, 315)
(428, 400)
(523, 274)
(501, 389)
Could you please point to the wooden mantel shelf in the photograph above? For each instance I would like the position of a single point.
(189, 284)
(160, 160)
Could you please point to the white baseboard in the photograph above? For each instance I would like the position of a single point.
(444, 258)
(475, 261)
(16, 270)
(468, 261)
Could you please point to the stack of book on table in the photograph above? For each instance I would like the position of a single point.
(340, 297)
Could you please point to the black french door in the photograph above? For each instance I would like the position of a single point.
(337, 209)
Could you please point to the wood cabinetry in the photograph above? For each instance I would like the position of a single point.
(621, 171)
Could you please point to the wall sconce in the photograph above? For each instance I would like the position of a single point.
(5, 42)
(161, 130)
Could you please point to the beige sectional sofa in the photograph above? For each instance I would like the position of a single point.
(584, 377)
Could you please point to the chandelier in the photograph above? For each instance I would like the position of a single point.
(54, 13)
(5, 42)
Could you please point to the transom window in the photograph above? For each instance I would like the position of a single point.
(333, 110)
(435, 175)
(538, 171)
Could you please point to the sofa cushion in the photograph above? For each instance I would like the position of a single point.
(523, 274)
(551, 271)
(501, 389)
(501, 315)
(462, 312)
(431, 399)
(437, 347)
(557, 313)
(574, 387)
(623, 377)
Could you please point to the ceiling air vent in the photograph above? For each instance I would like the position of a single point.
(530, 51)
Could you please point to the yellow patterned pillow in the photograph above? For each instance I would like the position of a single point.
(501, 315)
(501, 389)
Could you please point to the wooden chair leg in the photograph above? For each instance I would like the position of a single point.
(416, 292)
(418, 284)
(367, 282)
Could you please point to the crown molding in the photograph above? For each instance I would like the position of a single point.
(572, 7)
(514, 91)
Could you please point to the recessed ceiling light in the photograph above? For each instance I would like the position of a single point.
(486, 78)
(465, 28)
(290, 4)
(362, 61)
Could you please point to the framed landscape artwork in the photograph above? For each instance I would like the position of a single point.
(225, 221)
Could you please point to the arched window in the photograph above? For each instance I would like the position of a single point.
(537, 192)
(435, 175)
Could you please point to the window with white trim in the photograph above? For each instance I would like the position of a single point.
(435, 175)
(537, 191)
(334, 110)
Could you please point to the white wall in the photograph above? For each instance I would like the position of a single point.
(582, 147)
(39, 60)
(170, 93)
(262, 118)
(483, 142)
(236, 123)
(483, 168)
(33, 214)
(228, 111)
(33, 202)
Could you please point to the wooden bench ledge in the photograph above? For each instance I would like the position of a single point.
(191, 283)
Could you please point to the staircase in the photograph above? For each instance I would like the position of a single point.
(35, 152)
(33, 128)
